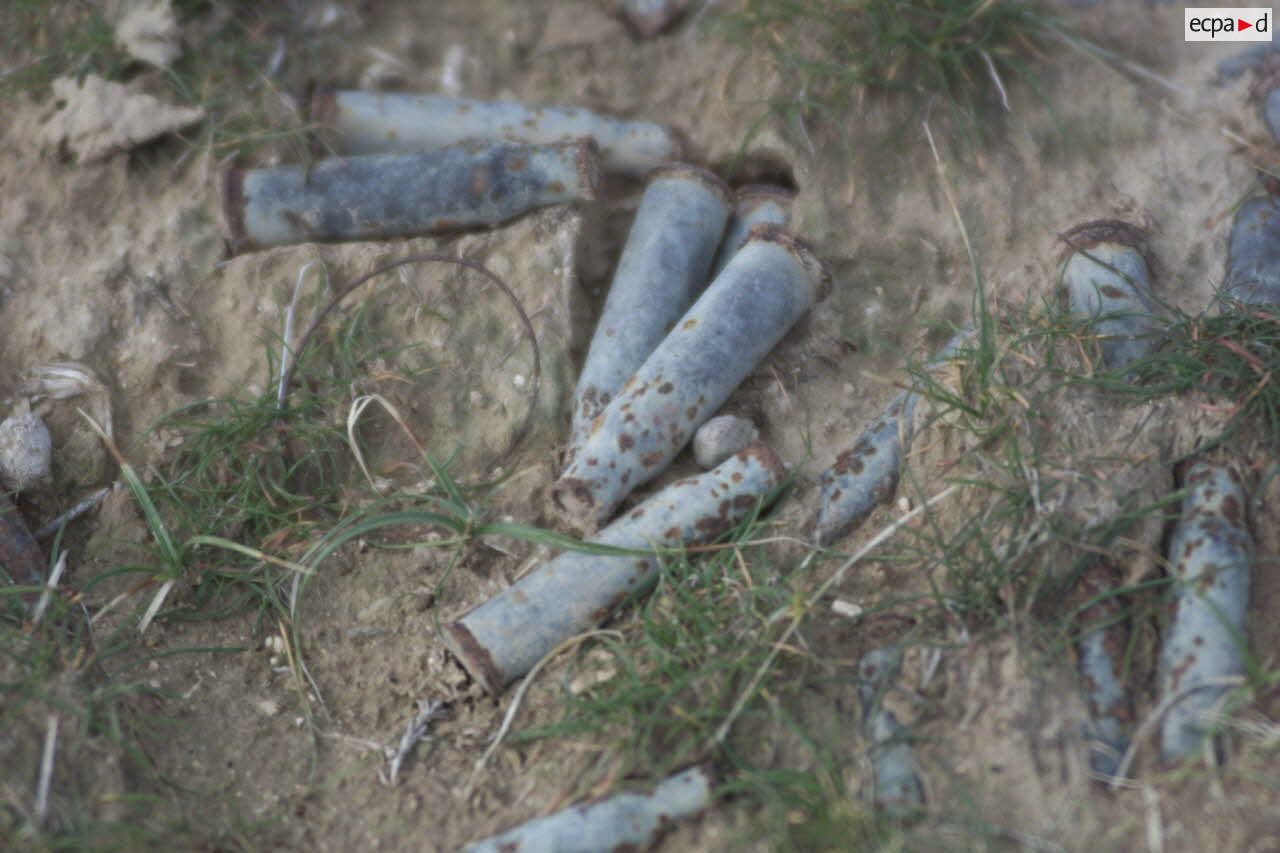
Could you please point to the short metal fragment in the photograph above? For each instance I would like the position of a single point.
(1100, 655)
(623, 822)
(1210, 552)
(767, 286)
(896, 783)
(650, 17)
(355, 122)
(393, 195)
(664, 264)
(1253, 255)
(757, 204)
(1106, 280)
(500, 640)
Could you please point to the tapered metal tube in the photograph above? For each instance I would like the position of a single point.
(1210, 551)
(503, 638)
(866, 475)
(650, 17)
(896, 784)
(664, 264)
(1100, 655)
(623, 822)
(393, 195)
(1107, 281)
(381, 123)
(767, 286)
(759, 204)
(1253, 255)
(1271, 112)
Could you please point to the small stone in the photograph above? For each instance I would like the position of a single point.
(26, 449)
(721, 437)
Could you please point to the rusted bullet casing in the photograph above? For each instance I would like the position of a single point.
(393, 195)
(758, 204)
(895, 782)
(1100, 654)
(1210, 552)
(618, 823)
(664, 264)
(503, 638)
(353, 122)
(1253, 255)
(767, 286)
(866, 475)
(1106, 280)
(650, 17)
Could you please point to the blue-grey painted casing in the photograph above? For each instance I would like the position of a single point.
(623, 822)
(896, 783)
(1107, 281)
(758, 204)
(1100, 654)
(1210, 552)
(503, 638)
(355, 122)
(1271, 112)
(1253, 255)
(767, 286)
(394, 195)
(663, 266)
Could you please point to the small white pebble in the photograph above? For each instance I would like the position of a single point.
(518, 380)
(904, 504)
(26, 450)
(847, 609)
(721, 437)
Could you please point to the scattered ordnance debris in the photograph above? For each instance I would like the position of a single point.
(26, 449)
(1271, 111)
(866, 475)
(720, 438)
(896, 784)
(1251, 57)
(1100, 655)
(1210, 552)
(19, 554)
(664, 264)
(1253, 255)
(1106, 280)
(393, 195)
(503, 638)
(767, 286)
(756, 204)
(618, 823)
(383, 123)
(650, 17)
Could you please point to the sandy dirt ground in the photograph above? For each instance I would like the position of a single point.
(120, 265)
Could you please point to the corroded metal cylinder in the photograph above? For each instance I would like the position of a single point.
(1253, 255)
(503, 638)
(1210, 552)
(650, 17)
(767, 286)
(895, 782)
(664, 264)
(1100, 661)
(757, 204)
(394, 195)
(1107, 281)
(381, 123)
(1271, 112)
(618, 823)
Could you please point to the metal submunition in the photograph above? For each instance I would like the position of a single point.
(866, 475)
(382, 123)
(393, 195)
(1100, 654)
(619, 823)
(895, 782)
(663, 266)
(20, 556)
(757, 204)
(503, 638)
(1210, 553)
(767, 286)
(1107, 281)
(650, 17)
(1253, 255)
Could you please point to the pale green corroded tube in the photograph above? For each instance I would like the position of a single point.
(502, 639)
(355, 122)
(623, 822)
(395, 195)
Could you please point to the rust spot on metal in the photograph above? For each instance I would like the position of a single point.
(651, 459)
(517, 164)
(817, 272)
(233, 204)
(696, 174)
(1181, 670)
(481, 180)
(666, 388)
(1231, 510)
(672, 533)
(555, 186)
(625, 442)
(760, 452)
(692, 413)
(752, 196)
(689, 324)
(1111, 291)
(744, 502)
(848, 463)
(592, 462)
(1091, 234)
(473, 656)
(736, 476)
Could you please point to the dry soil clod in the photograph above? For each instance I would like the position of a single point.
(1253, 255)
(895, 783)
(1210, 552)
(500, 640)
(354, 122)
(758, 204)
(664, 263)
(623, 822)
(392, 195)
(1107, 281)
(740, 317)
